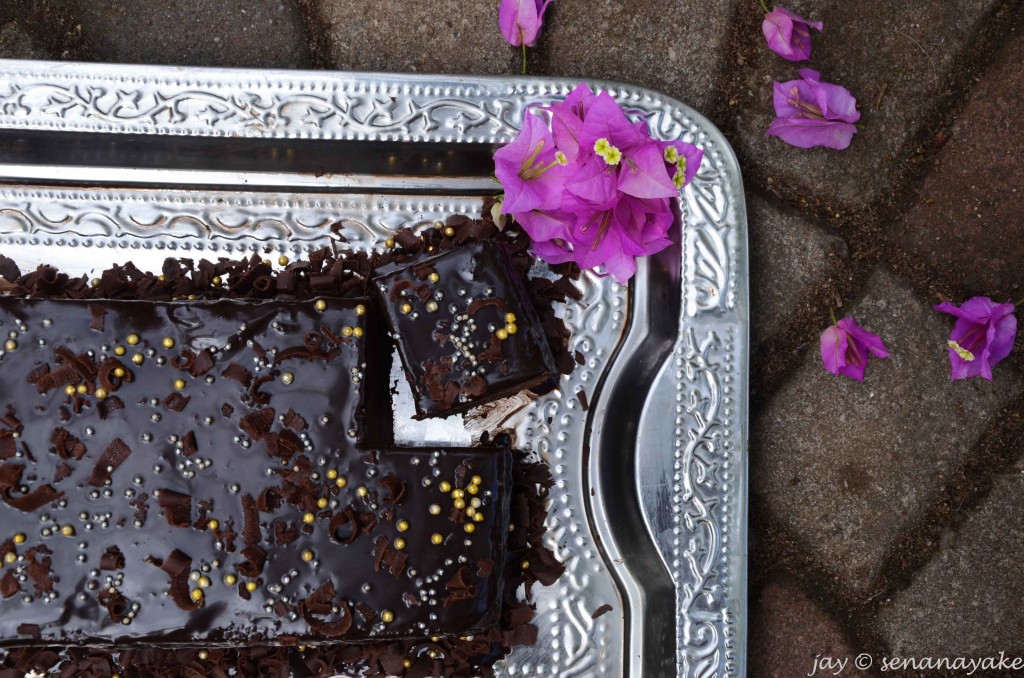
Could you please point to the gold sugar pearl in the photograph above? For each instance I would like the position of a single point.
(70, 389)
(458, 494)
(197, 595)
(473, 489)
(20, 538)
(119, 372)
(470, 511)
(357, 332)
(95, 282)
(362, 491)
(179, 384)
(436, 538)
(475, 502)
(308, 555)
(132, 339)
(320, 305)
(449, 232)
(250, 586)
(432, 306)
(203, 655)
(11, 345)
(389, 243)
(346, 331)
(399, 543)
(321, 503)
(510, 317)
(434, 510)
(360, 310)
(332, 474)
(387, 616)
(216, 280)
(511, 328)
(68, 530)
(434, 277)
(230, 579)
(266, 262)
(445, 486)
(438, 225)
(407, 663)
(469, 528)
(287, 378)
(161, 278)
(81, 389)
(433, 654)
(501, 334)
(101, 393)
(404, 308)
(460, 504)
(120, 350)
(525, 565)
(10, 557)
(138, 358)
(212, 524)
(204, 582)
(341, 482)
(282, 260)
(168, 342)
(309, 518)
(475, 480)
(402, 525)
(478, 517)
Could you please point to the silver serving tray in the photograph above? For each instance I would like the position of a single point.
(101, 163)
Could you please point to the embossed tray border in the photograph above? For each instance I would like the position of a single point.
(703, 541)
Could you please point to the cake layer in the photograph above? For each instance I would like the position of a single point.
(465, 328)
(188, 474)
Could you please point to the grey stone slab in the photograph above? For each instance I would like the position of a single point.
(255, 33)
(966, 599)
(677, 48)
(895, 57)
(848, 466)
(968, 220)
(15, 43)
(789, 256)
(791, 635)
(446, 36)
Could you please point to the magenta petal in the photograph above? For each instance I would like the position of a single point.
(541, 192)
(984, 334)
(545, 225)
(643, 173)
(788, 34)
(869, 340)
(567, 120)
(520, 21)
(551, 251)
(594, 182)
(693, 156)
(606, 120)
(833, 348)
(805, 133)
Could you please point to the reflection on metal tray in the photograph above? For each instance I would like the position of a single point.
(105, 163)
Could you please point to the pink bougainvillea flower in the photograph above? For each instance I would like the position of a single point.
(596, 189)
(531, 170)
(788, 35)
(813, 113)
(982, 336)
(845, 348)
(520, 21)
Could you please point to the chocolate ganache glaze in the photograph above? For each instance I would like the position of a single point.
(221, 473)
(465, 328)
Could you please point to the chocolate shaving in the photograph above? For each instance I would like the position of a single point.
(177, 507)
(285, 533)
(257, 423)
(108, 405)
(112, 559)
(176, 402)
(345, 517)
(294, 421)
(112, 457)
(189, 446)
(320, 603)
(9, 584)
(396, 488)
(177, 566)
(99, 314)
(116, 604)
(30, 630)
(63, 471)
(38, 373)
(226, 411)
(66, 445)
(604, 609)
(39, 570)
(237, 373)
(255, 558)
(251, 526)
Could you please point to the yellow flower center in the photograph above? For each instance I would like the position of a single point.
(671, 154)
(679, 178)
(961, 351)
(609, 153)
(561, 159)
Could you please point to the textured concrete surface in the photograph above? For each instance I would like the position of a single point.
(969, 217)
(966, 600)
(885, 515)
(788, 253)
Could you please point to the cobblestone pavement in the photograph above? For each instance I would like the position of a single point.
(885, 516)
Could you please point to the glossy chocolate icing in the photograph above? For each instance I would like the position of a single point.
(449, 315)
(334, 405)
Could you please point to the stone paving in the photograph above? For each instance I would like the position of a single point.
(885, 516)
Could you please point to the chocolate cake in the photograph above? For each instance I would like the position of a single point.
(465, 328)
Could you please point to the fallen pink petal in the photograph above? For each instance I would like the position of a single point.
(982, 336)
(811, 113)
(845, 348)
(788, 34)
(520, 21)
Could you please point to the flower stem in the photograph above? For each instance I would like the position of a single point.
(832, 313)
(764, 7)
(1019, 302)
(524, 59)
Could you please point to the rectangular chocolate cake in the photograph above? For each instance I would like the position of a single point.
(465, 328)
(219, 472)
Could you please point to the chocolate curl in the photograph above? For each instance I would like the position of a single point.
(106, 377)
(321, 602)
(177, 507)
(177, 566)
(257, 424)
(112, 457)
(251, 527)
(66, 445)
(255, 558)
(346, 516)
(236, 372)
(112, 559)
(395, 487)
